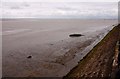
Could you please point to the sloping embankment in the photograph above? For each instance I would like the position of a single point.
(98, 62)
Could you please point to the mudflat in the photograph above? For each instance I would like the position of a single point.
(43, 48)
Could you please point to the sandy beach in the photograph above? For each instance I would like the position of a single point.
(43, 48)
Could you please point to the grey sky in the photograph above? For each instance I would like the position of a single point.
(59, 9)
(60, 0)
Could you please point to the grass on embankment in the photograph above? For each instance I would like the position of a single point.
(98, 62)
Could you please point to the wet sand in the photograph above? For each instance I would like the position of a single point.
(43, 48)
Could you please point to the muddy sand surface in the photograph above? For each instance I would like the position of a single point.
(43, 48)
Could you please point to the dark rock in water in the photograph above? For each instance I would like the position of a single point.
(51, 44)
(75, 35)
(29, 57)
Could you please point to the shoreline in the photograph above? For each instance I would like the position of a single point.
(102, 58)
(46, 58)
(61, 61)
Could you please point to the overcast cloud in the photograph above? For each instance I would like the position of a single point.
(60, 0)
(60, 9)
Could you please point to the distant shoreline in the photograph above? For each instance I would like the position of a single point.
(4, 19)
